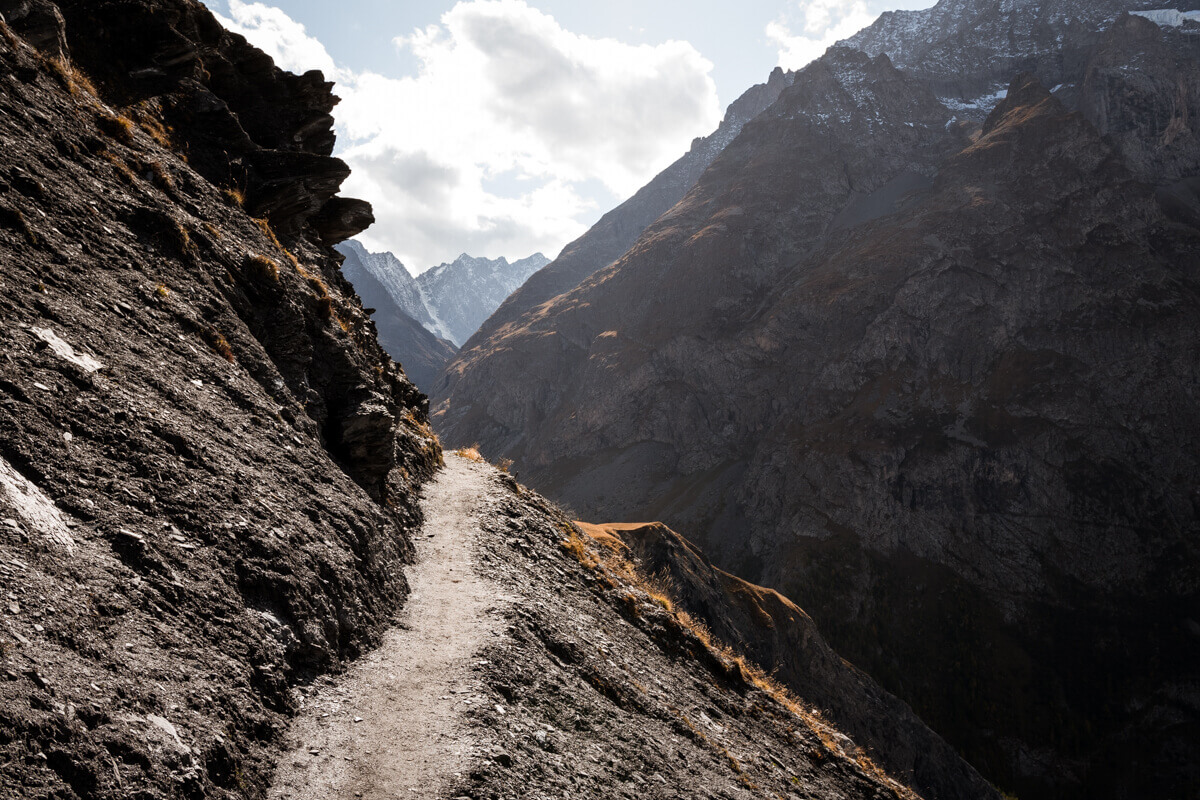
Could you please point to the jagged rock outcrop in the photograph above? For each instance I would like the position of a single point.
(243, 124)
(208, 466)
(617, 230)
(773, 632)
(463, 293)
(451, 299)
(928, 378)
(407, 340)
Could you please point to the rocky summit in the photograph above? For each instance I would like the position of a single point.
(917, 350)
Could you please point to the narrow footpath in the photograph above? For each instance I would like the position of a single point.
(394, 725)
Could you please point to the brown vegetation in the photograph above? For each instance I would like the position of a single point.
(609, 559)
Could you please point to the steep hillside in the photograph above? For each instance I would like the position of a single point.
(208, 466)
(771, 631)
(405, 339)
(933, 381)
(534, 662)
(617, 230)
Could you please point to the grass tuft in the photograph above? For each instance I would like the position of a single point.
(262, 267)
(162, 178)
(219, 344)
(119, 128)
(470, 453)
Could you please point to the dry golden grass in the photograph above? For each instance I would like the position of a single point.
(118, 127)
(219, 344)
(9, 36)
(616, 570)
(470, 453)
(154, 127)
(70, 78)
(262, 267)
(123, 171)
(237, 197)
(162, 178)
(265, 226)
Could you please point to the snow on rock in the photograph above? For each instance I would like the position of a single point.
(1169, 17)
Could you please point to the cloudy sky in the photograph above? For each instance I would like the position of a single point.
(505, 127)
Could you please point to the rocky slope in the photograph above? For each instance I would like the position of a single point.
(617, 230)
(533, 661)
(772, 631)
(406, 339)
(208, 466)
(930, 379)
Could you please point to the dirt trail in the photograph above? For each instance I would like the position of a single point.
(393, 726)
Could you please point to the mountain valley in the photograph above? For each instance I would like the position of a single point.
(901, 358)
(942, 395)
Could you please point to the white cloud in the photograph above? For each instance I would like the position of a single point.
(497, 144)
(823, 22)
(281, 37)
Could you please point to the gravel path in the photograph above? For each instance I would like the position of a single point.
(393, 726)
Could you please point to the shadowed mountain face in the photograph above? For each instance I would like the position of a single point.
(617, 230)
(934, 381)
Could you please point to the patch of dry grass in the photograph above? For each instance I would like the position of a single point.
(262, 267)
(124, 172)
(470, 453)
(219, 344)
(118, 127)
(615, 570)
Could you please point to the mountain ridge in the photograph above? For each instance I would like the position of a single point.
(618, 229)
(897, 487)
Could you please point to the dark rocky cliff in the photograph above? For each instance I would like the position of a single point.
(208, 466)
(932, 379)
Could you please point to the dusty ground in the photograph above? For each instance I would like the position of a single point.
(522, 668)
(394, 725)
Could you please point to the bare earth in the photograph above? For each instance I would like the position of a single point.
(394, 725)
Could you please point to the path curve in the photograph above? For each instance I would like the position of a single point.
(393, 725)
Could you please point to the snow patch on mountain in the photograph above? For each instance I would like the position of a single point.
(453, 299)
(985, 103)
(1169, 17)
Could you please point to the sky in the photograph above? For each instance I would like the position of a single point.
(508, 127)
